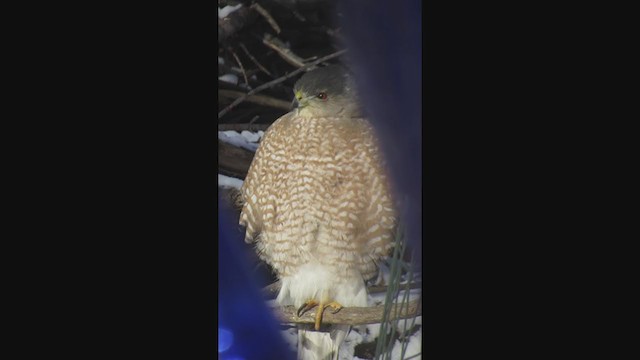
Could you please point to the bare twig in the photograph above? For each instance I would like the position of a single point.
(255, 61)
(244, 74)
(257, 99)
(299, 16)
(277, 81)
(351, 315)
(267, 16)
(282, 50)
(242, 127)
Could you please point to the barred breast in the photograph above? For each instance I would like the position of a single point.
(317, 193)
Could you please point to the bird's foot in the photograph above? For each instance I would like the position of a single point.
(322, 306)
(308, 305)
(335, 306)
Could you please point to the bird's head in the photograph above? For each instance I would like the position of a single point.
(326, 92)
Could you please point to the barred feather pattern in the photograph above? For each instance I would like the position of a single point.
(318, 205)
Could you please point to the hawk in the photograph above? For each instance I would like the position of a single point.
(318, 205)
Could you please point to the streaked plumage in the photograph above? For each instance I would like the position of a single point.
(317, 201)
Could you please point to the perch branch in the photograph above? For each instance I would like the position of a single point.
(351, 315)
(277, 81)
(383, 288)
(272, 289)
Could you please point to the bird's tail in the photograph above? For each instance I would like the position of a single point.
(321, 345)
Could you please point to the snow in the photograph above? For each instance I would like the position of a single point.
(291, 338)
(229, 182)
(348, 347)
(373, 331)
(247, 139)
(229, 78)
(252, 136)
(225, 11)
(408, 324)
(413, 347)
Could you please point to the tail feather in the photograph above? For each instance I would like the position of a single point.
(321, 345)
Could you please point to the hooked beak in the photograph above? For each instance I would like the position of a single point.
(299, 101)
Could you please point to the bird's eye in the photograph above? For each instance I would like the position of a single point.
(322, 96)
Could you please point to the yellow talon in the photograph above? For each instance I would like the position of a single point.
(308, 305)
(336, 306)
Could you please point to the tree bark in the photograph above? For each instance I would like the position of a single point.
(350, 315)
(233, 160)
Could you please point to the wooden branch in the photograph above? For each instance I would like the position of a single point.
(351, 315)
(242, 127)
(383, 288)
(277, 81)
(255, 61)
(272, 290)
(255, 118)
(244, 73)
(267, 16)
(282, 50)
(233, 160)
(257, 99)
